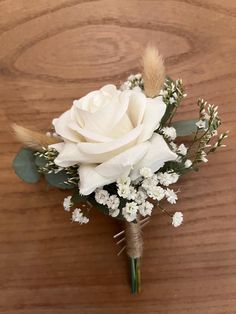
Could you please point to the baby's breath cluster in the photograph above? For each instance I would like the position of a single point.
(134, 198)
(181, 150)
(133, 81)
(77, 213)
(111, 201)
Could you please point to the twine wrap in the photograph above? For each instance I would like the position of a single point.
(134, 240)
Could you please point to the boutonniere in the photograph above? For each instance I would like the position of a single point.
(120, 150)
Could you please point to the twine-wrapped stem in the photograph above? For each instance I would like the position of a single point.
(134, 249)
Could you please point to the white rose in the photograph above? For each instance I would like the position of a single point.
(110, 134)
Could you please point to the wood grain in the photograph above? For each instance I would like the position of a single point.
(52, 52)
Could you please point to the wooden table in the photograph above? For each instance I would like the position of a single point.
(52, 52)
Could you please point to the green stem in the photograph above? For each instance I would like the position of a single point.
(138, 275)
(133, 275)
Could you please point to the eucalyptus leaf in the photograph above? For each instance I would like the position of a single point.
(58, 180)
(24, 166)
(185, 127)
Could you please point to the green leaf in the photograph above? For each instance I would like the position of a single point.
(77, 197)
(58, 180)
(24, 166)
(186, 127)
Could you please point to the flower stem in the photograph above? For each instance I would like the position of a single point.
(135, 275)
(138, 275)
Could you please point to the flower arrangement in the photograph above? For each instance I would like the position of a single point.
(117, 150)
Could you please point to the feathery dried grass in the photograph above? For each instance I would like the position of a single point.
(32, 139)
(153, 71)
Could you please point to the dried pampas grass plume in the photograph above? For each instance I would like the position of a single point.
(153, 71)
(32, 139)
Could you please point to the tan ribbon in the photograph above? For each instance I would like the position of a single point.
(134, 241)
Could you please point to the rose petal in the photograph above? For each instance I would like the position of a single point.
(158, 153)
(90, 179)
(155, 110)
(89, 135)
(109, 89)
(137, 106)
(116, 166)
(62, 128)
(106, 117)
(70, 155)
(58, 146)
(99, 148)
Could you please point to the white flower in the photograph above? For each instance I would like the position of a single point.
(214, 133)
(138, 76)
(175, 95)
(203, 156)
(140, 196)
(177, 219)
(206, 116)
(156, 193)
(172, 100)
(101, 196)
(123, 191)
(113, 202)
(146, 209)
(67, 203)
(188, 163)
(150, 182)
(114, 212)
(146, 172)
(130, 211)
(131, 77)
(201, 124)
(173, 146)
(163, 92)
(123, 181)
(78, 216)
(167, 178)
(110, 133)
(169, 132)
(174, 177)
(182, 149)
(171, 196)
(132, 193)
